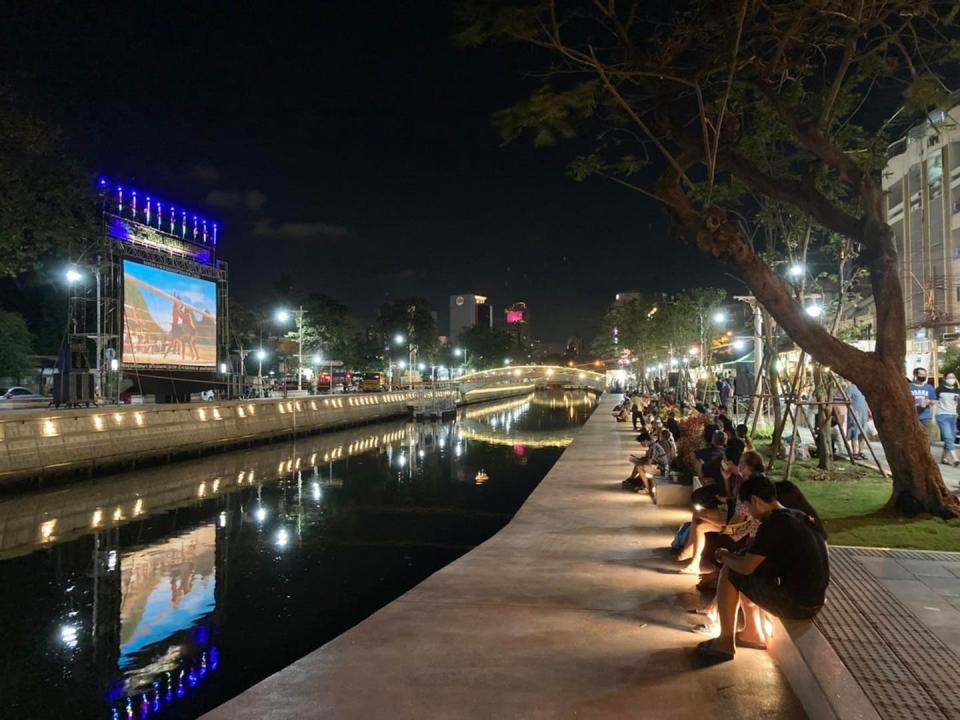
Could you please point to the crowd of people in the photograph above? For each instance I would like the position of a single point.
(755, 546)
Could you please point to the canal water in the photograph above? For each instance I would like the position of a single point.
(164, 592)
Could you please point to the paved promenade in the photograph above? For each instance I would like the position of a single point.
(567, 612)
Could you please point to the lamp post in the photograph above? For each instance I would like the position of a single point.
(398, 340)
(461, 352)
(74, 276)
(261, 356)
(283, 316)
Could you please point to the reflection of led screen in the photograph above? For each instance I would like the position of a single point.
(514, 316)
(169, 318)
(165, 589)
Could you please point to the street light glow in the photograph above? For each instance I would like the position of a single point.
(399, 339)
(317, 359)
(73, 276)
(795, 270)
(458, 352)
(719, 317)
(282, 315)
(506, 361)
(693, 351)
(813, 311)
(261, 354)
(739, 344)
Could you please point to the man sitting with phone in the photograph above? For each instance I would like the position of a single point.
(784, 572)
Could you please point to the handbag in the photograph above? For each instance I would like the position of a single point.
(682, 536)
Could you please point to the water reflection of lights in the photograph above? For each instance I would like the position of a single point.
(223, 519)
(316, 491)
(111, 560)
(283, 537)
(532, 439)
(261, 514)
(69, 635)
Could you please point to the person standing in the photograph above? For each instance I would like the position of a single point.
(859, 413)
(636, 410)
(947, 395)
(925, 398)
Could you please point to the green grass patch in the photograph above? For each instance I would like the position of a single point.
(851, 501)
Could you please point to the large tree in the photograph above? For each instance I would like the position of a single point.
(16, 346)
(47, 206)
(707, 106)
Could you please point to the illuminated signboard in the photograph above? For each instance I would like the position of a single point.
(169, 318)
(514, 317)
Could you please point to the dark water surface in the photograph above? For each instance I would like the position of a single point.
(164, 592)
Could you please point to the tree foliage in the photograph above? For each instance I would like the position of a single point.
(16, 345)
(46, 203)
(487, 348)
(738, 103)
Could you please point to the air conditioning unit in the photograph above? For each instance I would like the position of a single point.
(951, 336)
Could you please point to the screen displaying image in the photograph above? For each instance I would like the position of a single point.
(169, 318)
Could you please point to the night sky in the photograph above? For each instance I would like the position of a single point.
(348, 144)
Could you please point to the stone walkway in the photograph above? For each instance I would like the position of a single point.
(893, 618)
(567, 612)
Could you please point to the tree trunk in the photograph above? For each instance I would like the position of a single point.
(824, 446)
(905, 443)
(773, 381)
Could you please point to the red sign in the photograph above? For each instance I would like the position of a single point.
(514, 317)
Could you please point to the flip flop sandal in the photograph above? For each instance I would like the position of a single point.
(749, 644)
(703, 629)
(706, 650)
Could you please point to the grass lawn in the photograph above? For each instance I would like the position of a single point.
(851, 503)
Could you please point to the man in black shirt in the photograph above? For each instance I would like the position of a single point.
(785, 572)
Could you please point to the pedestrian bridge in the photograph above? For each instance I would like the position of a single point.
(474, 386)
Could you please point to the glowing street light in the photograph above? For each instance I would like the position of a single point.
(399, 339)
(796, 270)
(73, 276)
(506, 361)
(719, 317)
(739, 344)
(284, 316)
(261, 356)
(813, 311)
(693, 352)
(317, 360)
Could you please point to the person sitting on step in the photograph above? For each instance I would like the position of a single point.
(785, 572)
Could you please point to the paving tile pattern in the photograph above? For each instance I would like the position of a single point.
(902, 666)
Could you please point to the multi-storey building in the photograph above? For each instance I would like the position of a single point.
(922, 181)
(466, 311)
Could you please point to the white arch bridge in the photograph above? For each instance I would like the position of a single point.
(501, 381)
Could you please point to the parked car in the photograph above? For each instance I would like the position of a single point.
(19, 393)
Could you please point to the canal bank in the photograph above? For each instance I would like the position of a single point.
(569, 611)
(43, 442)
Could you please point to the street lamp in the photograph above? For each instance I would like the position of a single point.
(261, 356)
(796, 270)
(719, 317)
(813, 311)
(283, 316)
(506, 361)
(73, 276)
(739, 344)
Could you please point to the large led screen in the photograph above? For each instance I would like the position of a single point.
(169, 318)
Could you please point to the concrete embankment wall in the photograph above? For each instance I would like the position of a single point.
(34, 443)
